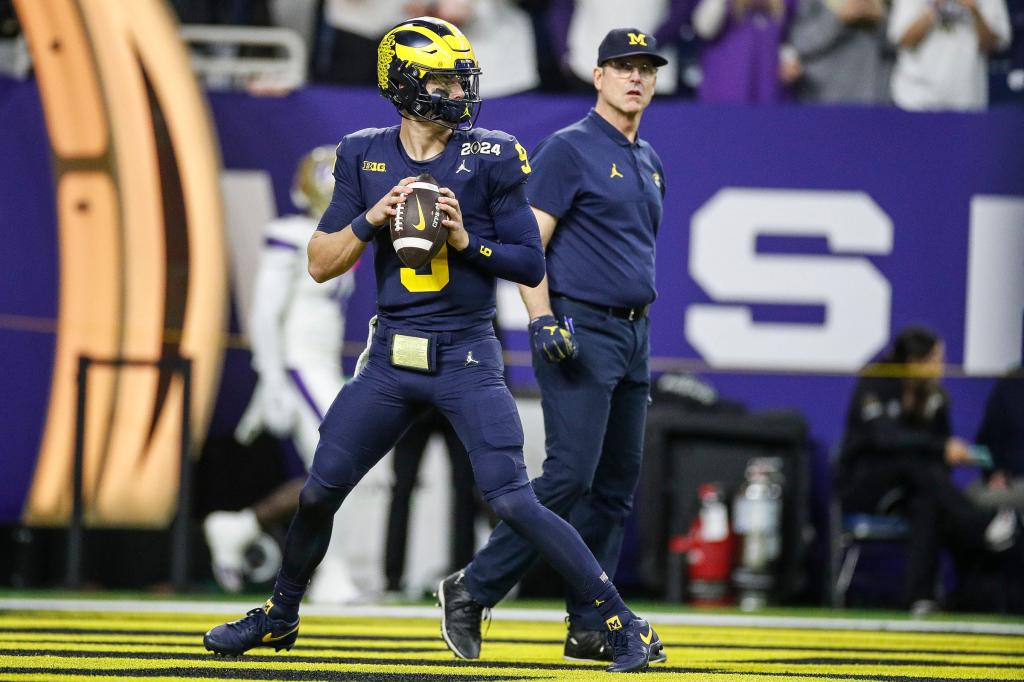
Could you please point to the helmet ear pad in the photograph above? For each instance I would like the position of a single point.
(406, 78)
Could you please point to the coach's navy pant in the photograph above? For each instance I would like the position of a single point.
(595, 407)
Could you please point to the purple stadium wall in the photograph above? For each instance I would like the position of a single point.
(879, 209)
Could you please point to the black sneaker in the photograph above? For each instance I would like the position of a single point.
(258, 628)
(585, 645)
(460, 616)
(592, 645)
(631, 646)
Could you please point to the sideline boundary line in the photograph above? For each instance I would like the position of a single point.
(515, 614)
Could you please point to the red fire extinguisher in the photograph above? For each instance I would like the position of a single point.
(709, 549)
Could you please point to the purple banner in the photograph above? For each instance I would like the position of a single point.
(796, 241)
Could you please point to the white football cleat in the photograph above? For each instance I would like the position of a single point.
(228, 534)
(332, 584)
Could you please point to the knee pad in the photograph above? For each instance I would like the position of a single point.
(337, 466)
(499, 471)
(317, 500)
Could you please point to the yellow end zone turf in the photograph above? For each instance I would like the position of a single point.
(108, 645)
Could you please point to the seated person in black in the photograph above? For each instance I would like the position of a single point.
(1002, 432)
(898, 436)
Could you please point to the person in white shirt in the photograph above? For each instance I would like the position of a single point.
(502, 37)
(593, 19)
(943, 52)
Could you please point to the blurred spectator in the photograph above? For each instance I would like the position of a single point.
(1006, 69)
(843, 52)
(1002, 432)
(346, 48)
(501, 32)
(297, 15)
(675, 36)
(943, 51)
(550, 19)
(408, 454)
(229, 12)
(898, 437)
(587, 23)
(740, 58)
(14, 59)
(502, 37)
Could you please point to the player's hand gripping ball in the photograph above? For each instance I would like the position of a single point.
(416, 230)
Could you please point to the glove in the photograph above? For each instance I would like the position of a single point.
(278, 406)
(553, 340)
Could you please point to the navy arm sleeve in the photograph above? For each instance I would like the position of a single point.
(346, 200)
(517, 255)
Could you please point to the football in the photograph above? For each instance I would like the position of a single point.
(416, 230)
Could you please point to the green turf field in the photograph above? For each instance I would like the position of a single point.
(164, 642)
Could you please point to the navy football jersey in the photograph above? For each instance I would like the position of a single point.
(485, 169)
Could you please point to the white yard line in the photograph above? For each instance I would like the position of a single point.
(514, 614)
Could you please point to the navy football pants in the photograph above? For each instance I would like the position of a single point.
(468, 387)
(595, 408)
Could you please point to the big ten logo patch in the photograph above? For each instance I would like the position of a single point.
(375, 166)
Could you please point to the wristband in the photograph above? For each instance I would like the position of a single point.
(472, 250)
(362, 229)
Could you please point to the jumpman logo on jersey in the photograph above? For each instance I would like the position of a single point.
(470, 360)
(615, 172)
(462, 168)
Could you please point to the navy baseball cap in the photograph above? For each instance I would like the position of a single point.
(628, 42)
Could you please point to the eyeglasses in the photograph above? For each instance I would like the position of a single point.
(623, 68)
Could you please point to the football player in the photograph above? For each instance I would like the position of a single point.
(433, 341)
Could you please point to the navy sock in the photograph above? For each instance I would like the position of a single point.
(563, 548)
(613, 610)
(304, 549)
(287, 595)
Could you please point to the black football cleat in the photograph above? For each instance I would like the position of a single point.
(258, 628)
(460, 616)
(592, 645)
(631, 646)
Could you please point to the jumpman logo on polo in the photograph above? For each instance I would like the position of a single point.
(615, 172)
(462, 168)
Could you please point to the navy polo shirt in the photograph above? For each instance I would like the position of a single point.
(607, 195)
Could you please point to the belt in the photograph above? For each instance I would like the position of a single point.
(443, 337)
(630, 314)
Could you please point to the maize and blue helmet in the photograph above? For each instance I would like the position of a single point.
(419, 49)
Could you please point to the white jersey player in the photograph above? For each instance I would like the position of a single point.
(297, 330)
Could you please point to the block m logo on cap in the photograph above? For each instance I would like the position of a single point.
(637, 39)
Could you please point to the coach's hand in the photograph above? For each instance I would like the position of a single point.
(552, 339)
